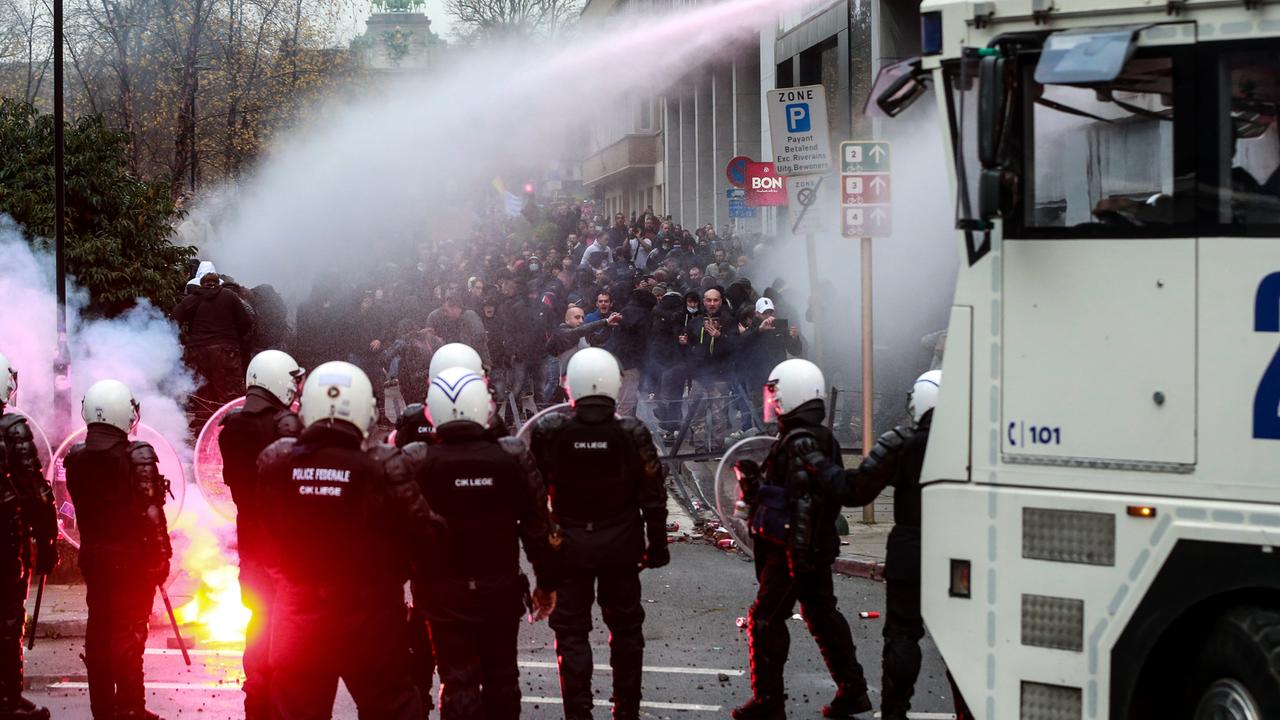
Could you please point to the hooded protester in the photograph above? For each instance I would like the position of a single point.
(217, 323)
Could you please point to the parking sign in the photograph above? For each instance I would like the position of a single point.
(798, 127)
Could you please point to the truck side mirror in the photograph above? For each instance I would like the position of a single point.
(992, 95)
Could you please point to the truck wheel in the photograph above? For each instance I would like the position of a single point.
(1237, 673)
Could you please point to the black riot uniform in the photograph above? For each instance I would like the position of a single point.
(412, 427)
(341, 522)
(124, 554)
(29, 515)
(795, 544)
(246, 432)
(896, 460)
(469, 584)
(608, 495)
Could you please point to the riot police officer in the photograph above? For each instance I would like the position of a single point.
(469, 585)
(896, 459)
(340, 521)
(27, 502)
(124, 546)
(413, 426)
(795, 544)
(608, 497)
(273, 380)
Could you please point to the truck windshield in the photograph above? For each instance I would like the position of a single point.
(1103, 155)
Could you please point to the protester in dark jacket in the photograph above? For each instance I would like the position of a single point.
(217, 323)
(575, 334)
(628, 345)
(712, 339)
(454, 323)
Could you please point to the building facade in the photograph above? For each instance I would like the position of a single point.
(669, 150)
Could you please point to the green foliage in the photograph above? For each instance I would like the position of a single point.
(117, 226)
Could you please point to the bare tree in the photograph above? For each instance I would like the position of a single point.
(486, 19)
(25, 26)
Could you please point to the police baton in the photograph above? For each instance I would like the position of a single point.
(35, 614)
(173, 621)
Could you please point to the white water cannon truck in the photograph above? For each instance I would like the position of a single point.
(1102, 507)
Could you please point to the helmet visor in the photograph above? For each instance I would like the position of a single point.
(137, 416)
(12, 397)
(772, 410)
(299, 376)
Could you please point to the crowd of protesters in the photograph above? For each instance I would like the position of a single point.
(675, 305)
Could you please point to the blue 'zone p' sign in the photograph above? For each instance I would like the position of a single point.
(798, 118)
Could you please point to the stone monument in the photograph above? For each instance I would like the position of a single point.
(398, 37)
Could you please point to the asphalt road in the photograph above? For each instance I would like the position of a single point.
(696, 658)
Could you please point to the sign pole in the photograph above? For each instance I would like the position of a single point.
(815, 307)
(868, 369)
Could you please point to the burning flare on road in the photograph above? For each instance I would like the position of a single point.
(215, 613)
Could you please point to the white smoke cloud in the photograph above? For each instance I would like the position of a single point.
(407, 163)
(139, 348)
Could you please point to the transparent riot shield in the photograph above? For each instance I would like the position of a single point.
(170, 469)
(753, 448)
(526, 430)
(208, 463)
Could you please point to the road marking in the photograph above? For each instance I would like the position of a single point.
(196, 653)
(651, 669)
(204, 687)
(600, 702)
(659, 669)
(222, 687)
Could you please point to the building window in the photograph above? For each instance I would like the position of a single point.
(645, 111)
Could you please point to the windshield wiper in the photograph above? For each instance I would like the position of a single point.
(1052, 105)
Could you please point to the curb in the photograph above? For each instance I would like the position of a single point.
(860, 567)
(73, 625)
(42, 682)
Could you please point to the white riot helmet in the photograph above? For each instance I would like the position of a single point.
(111, 403)
(338, 391)
(459, 394)
(277, 373)
(593, 371)
(455, 355)
(792, 384)
(8, 382)
(924, 395)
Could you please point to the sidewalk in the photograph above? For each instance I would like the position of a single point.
(64, 613)
(862, 550)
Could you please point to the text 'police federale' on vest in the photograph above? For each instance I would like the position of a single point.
(313, 474)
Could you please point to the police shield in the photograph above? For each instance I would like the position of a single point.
(526, 431)
(755, 449)
(208, 463)
(170, 469)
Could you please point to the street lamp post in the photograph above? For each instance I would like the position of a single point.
(62, 362)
